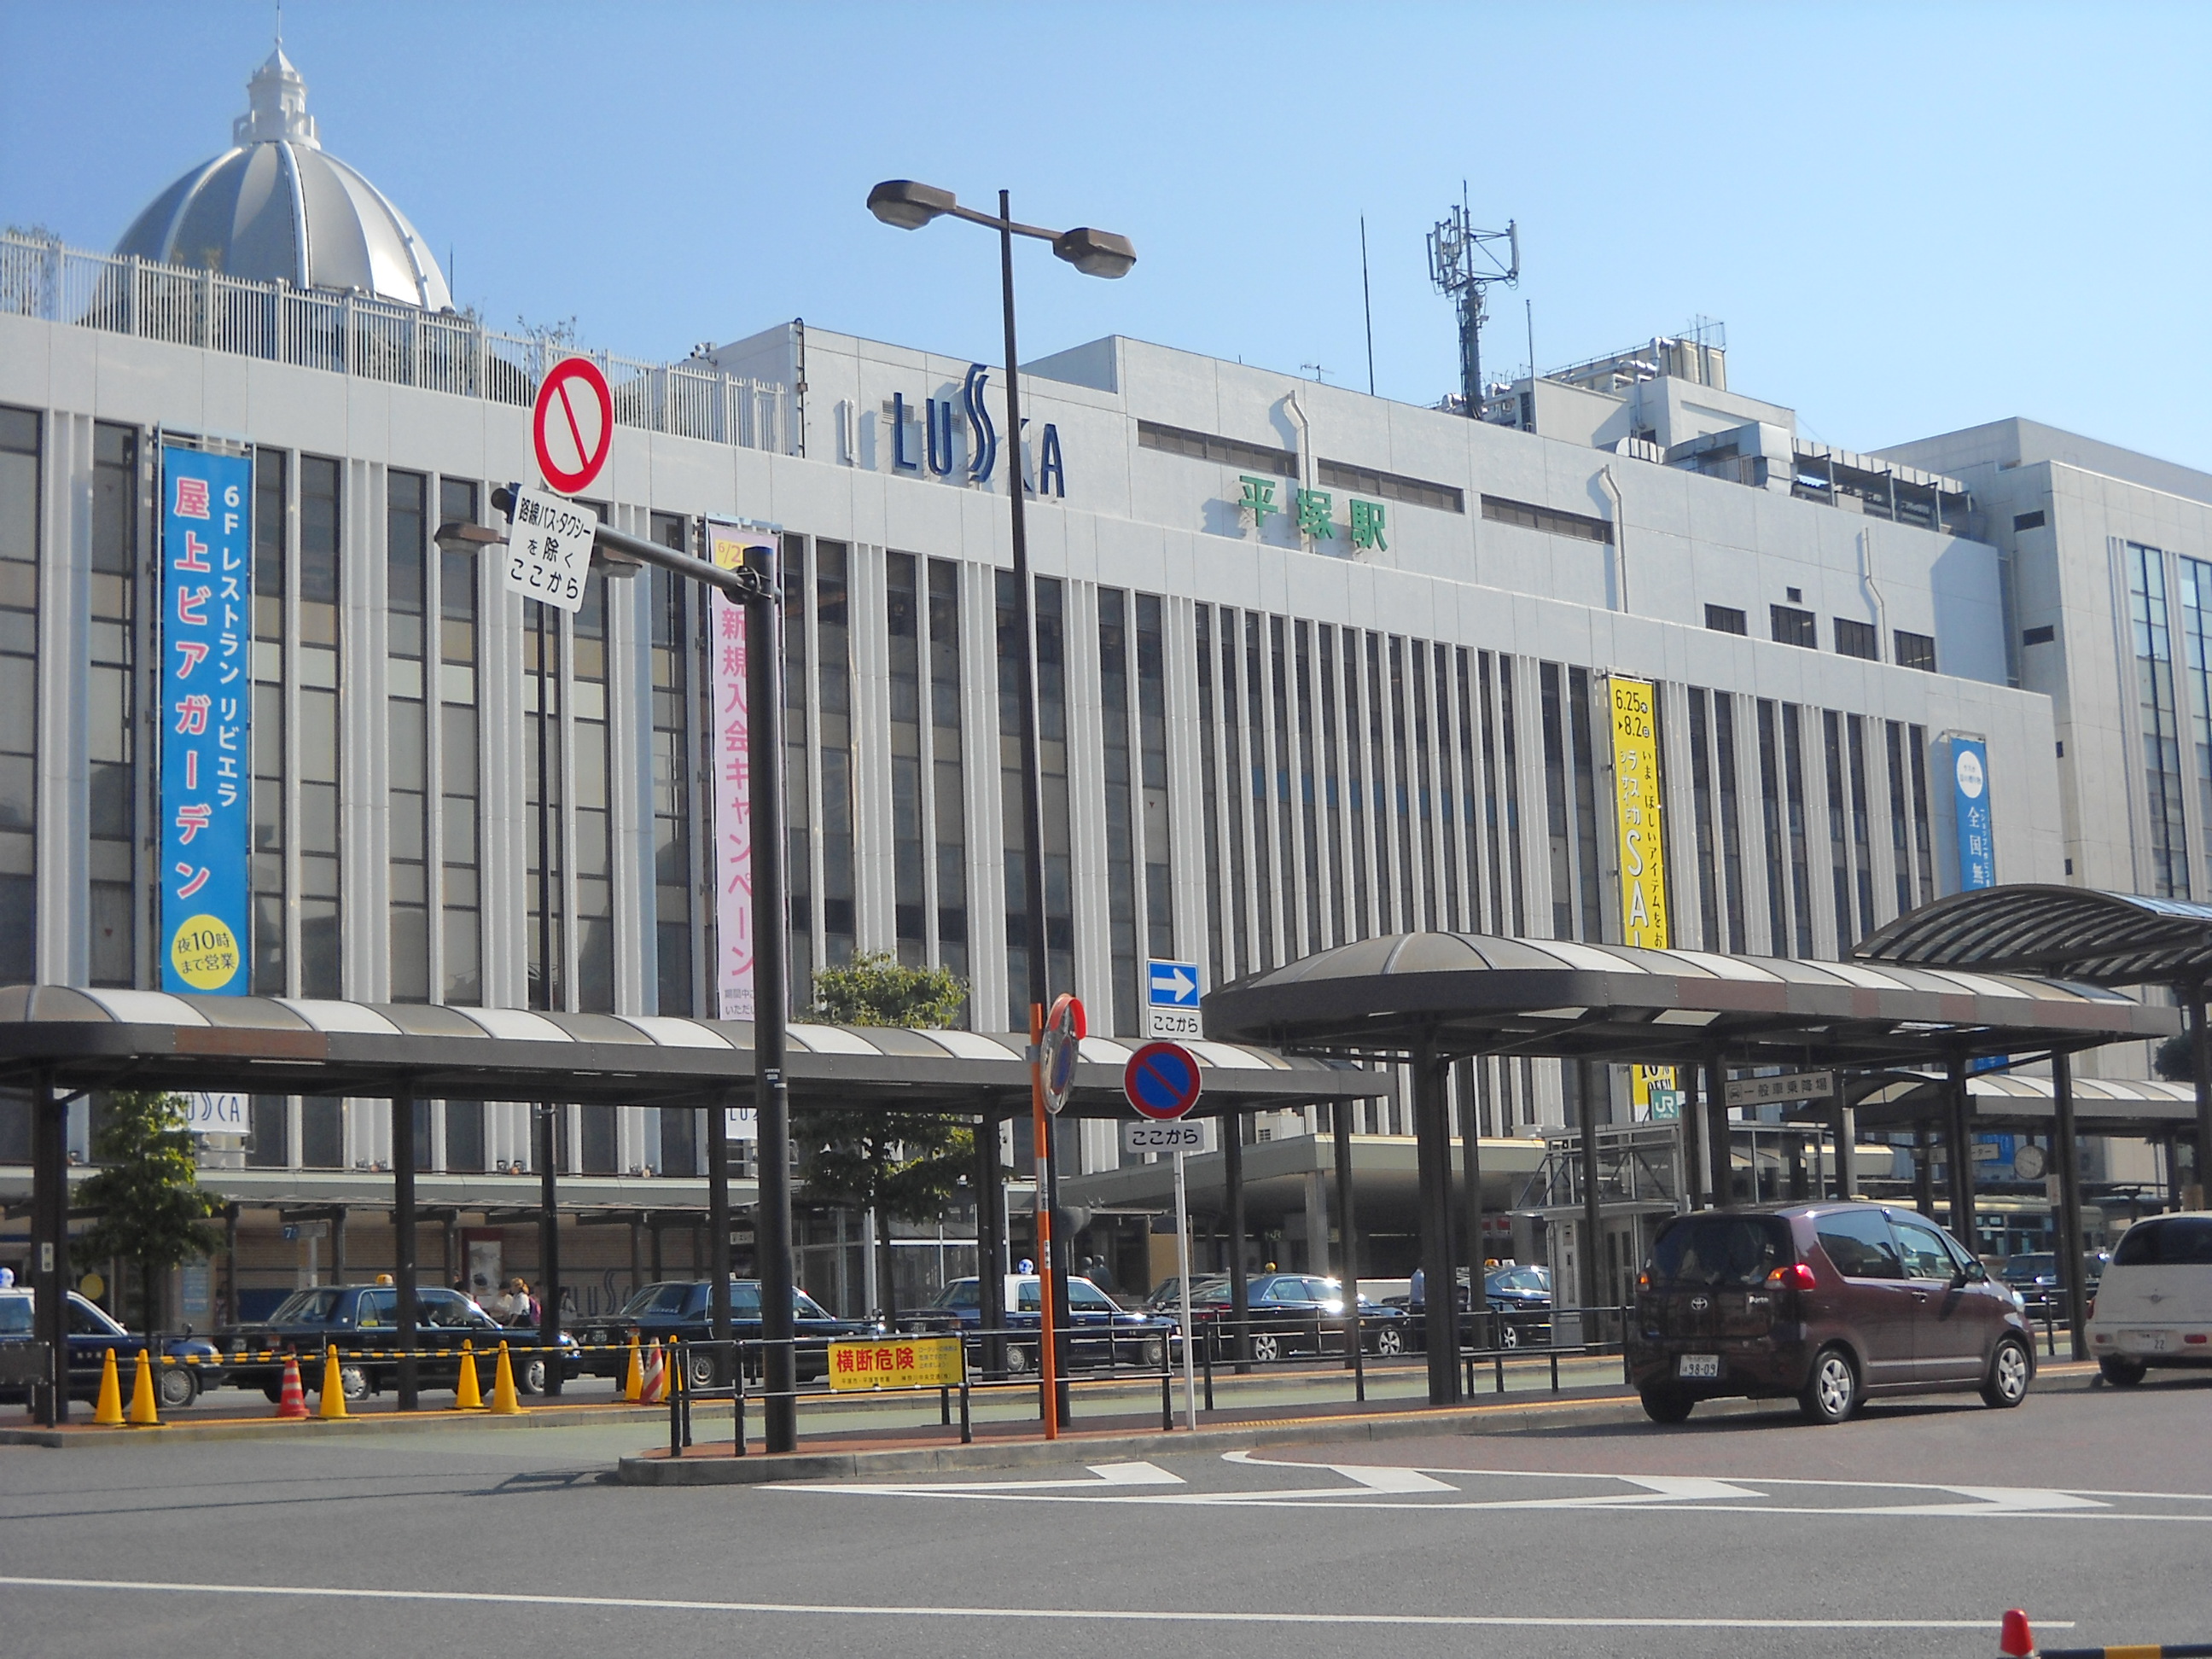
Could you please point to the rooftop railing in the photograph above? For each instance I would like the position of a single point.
(344, 333)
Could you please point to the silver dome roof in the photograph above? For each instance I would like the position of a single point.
(276, 208)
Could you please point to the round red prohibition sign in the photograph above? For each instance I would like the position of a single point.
(572, 426)
(1162, 1080)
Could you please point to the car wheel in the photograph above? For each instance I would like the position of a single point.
(2122, 1373)
(177, 1387)
(1020, 1361)
(352, 1382)
(274, 1389)
(699, 1370)
(1831, 1393)
(1665, 1406)
(1155, 1353)
(1267, 1348)
(530, 1375)
(1509, 1336)
(1389, 1342)
(2009, 1370)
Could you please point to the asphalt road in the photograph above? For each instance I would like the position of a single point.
(1906, 1532)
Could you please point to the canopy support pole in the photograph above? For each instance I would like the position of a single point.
(1720, 1154)
(403, 1241)
(1440, 1289)
(1961, 1150)
(2200, 1053)
(2066, 1152)
(1240, 1288)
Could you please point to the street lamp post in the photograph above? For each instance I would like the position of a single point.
(908, 205)
(620, 555)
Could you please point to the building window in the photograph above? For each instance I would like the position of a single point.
(1264, 891)
(1460, 804)
(2043, 636)
(2028, 521)
(1770, 801)
(406, 567)
(1286, 812)
(1209, 801)
(271, 499)
(1555, 803)
(798, 799)
(1858, 638)
(1402, 786)
(2162, 737)
(1392, 486)
(1801, 861)
(1701, 812)
(594, 853)
(1731, 821)
(1223, 452)
(1725, 619)
(1510, 742)
(1916, 650)
(1862, 833)
(947, 762)
(2197, 645)
(1128, 994)
(1794, 627)
(909, 889)
(268, 1146)
(1586, 836)
(459, 783)
(1839, 854)
(1378, 788)
(833, 641)
(111, 720)
(1152, 775)
(1053, 790)
(1332, 783)
(1550, 519)
(673, 652)
(1900, 815)
(317, 673)
(1922, 842)
(19, 694)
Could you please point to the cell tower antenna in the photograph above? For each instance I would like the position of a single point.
(1463, 262)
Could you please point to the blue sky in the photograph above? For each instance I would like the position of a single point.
(1911, 217)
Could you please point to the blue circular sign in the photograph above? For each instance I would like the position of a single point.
(1162, 1080)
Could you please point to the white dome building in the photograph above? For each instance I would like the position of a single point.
(277, 208)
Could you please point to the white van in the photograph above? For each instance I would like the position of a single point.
(2154, 1305)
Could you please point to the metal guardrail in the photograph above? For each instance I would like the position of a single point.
(374, 340)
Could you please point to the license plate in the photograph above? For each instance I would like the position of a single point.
(2144, 1341)
(1706, 1365)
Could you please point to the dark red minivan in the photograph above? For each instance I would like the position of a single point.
(1830, 1303)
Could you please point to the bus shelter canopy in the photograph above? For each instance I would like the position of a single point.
(2074, 933)
(1469, 993)
(112, 1039)
(2104, 1106)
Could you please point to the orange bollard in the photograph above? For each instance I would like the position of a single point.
(292, 1401)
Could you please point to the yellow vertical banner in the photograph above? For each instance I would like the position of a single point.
(1642, 850)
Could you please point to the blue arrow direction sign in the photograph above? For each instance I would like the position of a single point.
(1174, 985)
(1162, 1080)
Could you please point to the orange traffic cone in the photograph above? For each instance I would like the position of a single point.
(468, 1393)
(108, 1413)
(633, 1379)
(331, 1407)
(503, 1402)
(2015, 1640)
(142, 1414)
(655, 1382)
(292, 1401)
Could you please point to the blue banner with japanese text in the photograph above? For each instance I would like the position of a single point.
(207, 703)
(1970, 771)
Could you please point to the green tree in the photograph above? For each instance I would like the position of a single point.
(2174, 1060)
(146, 1193)
(903, 1165)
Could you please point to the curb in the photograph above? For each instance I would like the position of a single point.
(181, 1430)
(759, 1468)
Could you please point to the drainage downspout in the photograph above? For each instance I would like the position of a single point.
(1873, 592)
(1297, 414)
(1620, 534)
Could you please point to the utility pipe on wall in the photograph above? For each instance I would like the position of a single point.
(1619, 536)
(1873, 592)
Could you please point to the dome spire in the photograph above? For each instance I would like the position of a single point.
(277, 100)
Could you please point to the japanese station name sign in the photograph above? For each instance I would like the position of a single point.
(1314, 512)
(903, 1362)
(206, 714)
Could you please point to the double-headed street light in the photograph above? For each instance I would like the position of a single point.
(909, 205)
(619, 554)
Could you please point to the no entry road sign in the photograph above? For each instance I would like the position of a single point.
(1161, 1080)
(573, 425)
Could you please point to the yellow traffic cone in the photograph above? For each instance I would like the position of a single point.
(142, 1414)
(503, 1402)
(633, 1382)
(468, 1393)
(108, 1413)
(333, 1402)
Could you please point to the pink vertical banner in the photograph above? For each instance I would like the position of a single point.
(727, 546)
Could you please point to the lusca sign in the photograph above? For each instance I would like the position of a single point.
(572, 427)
